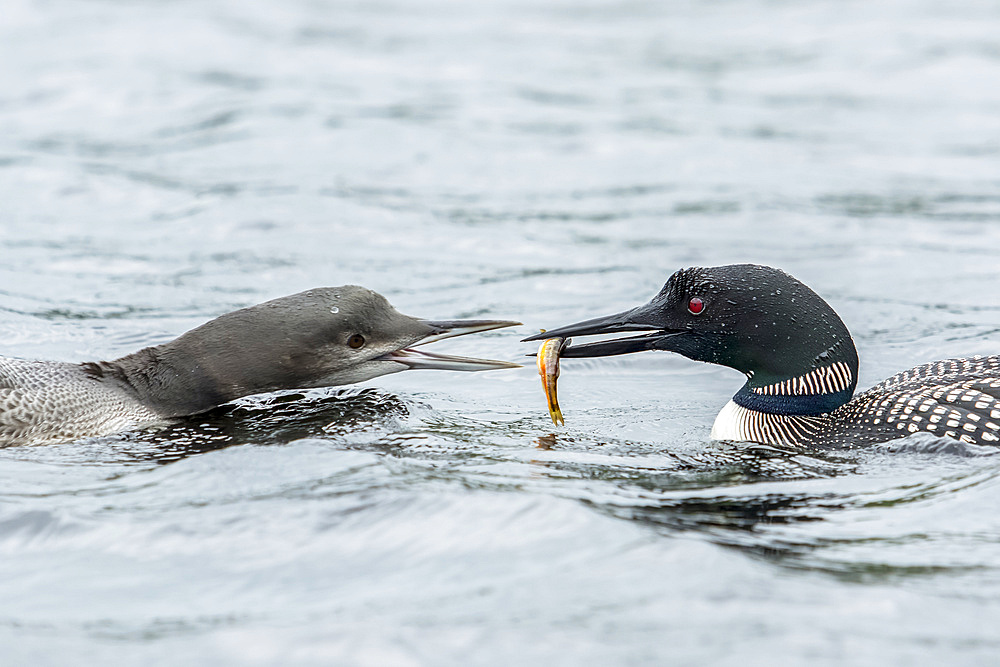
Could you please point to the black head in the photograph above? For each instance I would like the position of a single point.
(756, 319)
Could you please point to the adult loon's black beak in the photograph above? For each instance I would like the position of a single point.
(644, 318)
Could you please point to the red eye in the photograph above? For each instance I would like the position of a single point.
(695, 306)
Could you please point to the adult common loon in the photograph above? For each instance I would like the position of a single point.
(318, 338)
(800, 362)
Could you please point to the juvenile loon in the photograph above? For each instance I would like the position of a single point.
(318, 338)
(800, 362)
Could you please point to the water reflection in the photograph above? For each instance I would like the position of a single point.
(737, 462)
(264, 420)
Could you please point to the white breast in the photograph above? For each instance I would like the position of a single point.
(731, 423)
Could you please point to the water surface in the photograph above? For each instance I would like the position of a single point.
(163, 163)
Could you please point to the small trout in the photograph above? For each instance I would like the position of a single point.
(548, 368)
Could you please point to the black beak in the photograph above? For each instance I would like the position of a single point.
(643, 318)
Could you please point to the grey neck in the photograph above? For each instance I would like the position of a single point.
(172, 384)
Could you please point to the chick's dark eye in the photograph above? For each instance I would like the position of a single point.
(356, 341)
(695, 306)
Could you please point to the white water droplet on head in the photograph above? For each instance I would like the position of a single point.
(334, 310)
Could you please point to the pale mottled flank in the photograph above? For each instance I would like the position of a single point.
(51, 401)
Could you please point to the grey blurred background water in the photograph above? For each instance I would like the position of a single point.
(165, 162)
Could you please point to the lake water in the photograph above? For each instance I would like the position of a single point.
(164, 162)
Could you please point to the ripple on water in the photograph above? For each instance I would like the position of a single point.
(167, 162)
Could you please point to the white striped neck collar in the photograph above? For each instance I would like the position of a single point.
(817, 392)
